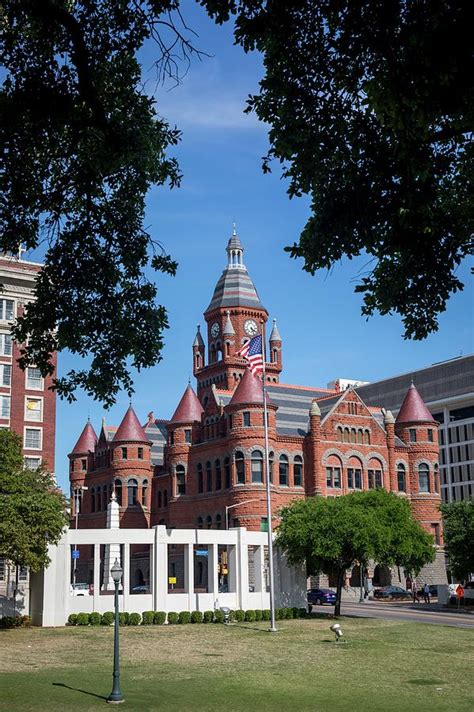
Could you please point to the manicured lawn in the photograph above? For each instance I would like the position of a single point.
(385, 666)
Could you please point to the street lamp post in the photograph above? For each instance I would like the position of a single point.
(77, 499)
(115, 697)
(231, 506)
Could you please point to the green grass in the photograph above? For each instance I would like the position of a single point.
(385, 666)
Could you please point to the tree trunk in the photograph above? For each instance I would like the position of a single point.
(340, 579)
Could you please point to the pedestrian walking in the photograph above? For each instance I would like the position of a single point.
(414, 590)
(426, 593)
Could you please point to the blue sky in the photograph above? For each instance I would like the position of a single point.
(324, 334)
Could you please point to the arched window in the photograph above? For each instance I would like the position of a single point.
(346, 435)
(217, 467)
(366, 437)
(360, 436)
(159, 500)
(283, 470)
(375, 474)
(209, 476)
(200, 478)
(200, 523)
(298, 471)
(436, 477)
(93, 499)
(257, 466)
(180, 479)
(132, 487)
(218, 521)
(354, 473)
(144, 491)
(208, 522)
(271, 459)
(353, 435)
(339, 434)
(165, 498)
(240, 467)
(423, 477)
(227, 472)
(401, 477)
(118, 491)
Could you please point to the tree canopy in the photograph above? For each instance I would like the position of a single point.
(458, 519)
(32, 509)
(387, 161)
(330, 535)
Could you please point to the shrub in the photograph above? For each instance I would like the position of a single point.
(258, 615)
(250, 616)
(124, 618)
(219, 616)
(266, 614)
(159, 618)
(134, 619)
(94, 618)
(147, 617)
(290, 613)
(302, 612)
(278, 614)
(239, 615)
(108, 618)
(208, 617)
(11, 622)
(26, 621)
(72, 620)
(184, 617)
(82, 619)
(196, 617)
(172, 618)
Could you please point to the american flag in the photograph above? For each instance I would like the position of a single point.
(252, 352)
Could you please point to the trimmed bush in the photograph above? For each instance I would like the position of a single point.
(208, 617)
(290, 613)
(239, 615)
(159, 618)
(147, 617)
(250, 616)
(26, 621)
(258, 615)
(219, 617)
(196, 617)
(72, 620)
(184, 617)
(124, 618)
(278, 614)
(266, 614)
(94, 618)
(134, 619)
(108, 618)
(172, 618)
(302, 612)
(82, 619)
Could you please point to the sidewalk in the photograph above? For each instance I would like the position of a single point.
(434, 606)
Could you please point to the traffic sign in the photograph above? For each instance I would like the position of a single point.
(75, 553)
(459, 591)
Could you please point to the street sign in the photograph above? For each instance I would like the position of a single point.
(459, 591)
(172, 579)
(75, 553)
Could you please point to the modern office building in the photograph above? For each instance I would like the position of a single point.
(447, 389)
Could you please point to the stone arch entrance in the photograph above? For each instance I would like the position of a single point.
(382, 576)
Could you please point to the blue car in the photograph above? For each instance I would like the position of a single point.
(318, 596)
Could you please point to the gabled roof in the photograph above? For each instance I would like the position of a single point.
(130, 429)
(413, 408)
(189, 408)
(249, 390)
(87, 441)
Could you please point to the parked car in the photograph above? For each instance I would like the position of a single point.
(80, 589)
(319, 596)
(391, 593)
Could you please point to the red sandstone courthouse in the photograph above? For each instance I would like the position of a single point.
(185, 472)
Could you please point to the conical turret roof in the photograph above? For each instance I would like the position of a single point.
(228, 326)
(130, 428)
(198, 340)
(275, 335)
(249, 390)
(413, 408)
(189, 408)
(87, 441)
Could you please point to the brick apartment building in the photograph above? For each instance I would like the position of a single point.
(207, 462)
(27, 406)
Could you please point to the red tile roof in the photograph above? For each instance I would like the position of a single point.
(86, 442)
(413, 408)
(130, 428)
(189, 408)
(249, 390)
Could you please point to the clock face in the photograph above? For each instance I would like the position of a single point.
(251, 327)
(215, 330)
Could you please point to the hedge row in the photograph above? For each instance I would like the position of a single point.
(160, 617)
(15, 622)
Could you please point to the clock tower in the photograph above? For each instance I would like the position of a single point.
(235, 314)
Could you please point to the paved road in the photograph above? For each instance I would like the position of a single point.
(407, 612)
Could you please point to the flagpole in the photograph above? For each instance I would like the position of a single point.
(273, 628)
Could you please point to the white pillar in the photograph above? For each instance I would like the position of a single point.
(189, 574)
(160, 570)
(96, 579)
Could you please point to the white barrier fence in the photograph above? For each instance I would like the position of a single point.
(163, 570)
